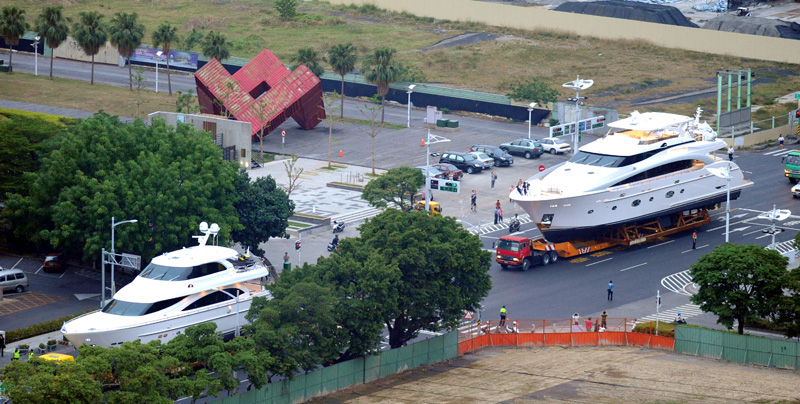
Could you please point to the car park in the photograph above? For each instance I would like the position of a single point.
(500, 157)
(529, 148)
(554, 145)
(451, 172)
(432, 172)
(13, 279)
(464, 161)
(483, 158)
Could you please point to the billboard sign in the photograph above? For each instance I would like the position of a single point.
(146, 54)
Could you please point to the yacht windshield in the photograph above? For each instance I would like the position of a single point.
(600, 160)
(123, 308)
(165, 273)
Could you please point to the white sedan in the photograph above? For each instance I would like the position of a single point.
(555, 145)
(796, 191)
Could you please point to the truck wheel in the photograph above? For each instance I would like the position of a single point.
(528, 155)
(553, 257)
(504, 266)
(546, 258)
(526, 264)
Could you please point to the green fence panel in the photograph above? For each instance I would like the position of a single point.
(314, 381)
(736, 341)
(297, 388)
(785, 353)
(248, 397)
(451, 345)
(372, 368)
(687, 347)
(688, 334)
(280, 395)
(757, 344)
(711, 337)
(734, 354)
(351, 373)
(419, 353)
(389, 362)
(759, 358)
(405, 358)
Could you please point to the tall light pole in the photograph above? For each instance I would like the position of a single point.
(36, 55)
(158, 55)
(113, 225)
(726, 173)
(410, 90)
(431, 139)
(530, 110)
(578, 84)
(773, 215)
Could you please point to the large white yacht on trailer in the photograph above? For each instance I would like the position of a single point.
(649, 165)
(179, 289)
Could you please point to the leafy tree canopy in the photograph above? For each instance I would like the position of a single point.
(263, 210)
(739, 283)
(396, 186)
(169, 179)
(23, 144)
(41, 382)
(535, 90)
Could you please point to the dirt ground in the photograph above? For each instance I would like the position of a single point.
(583, 375)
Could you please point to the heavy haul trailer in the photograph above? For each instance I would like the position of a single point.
(523, 252)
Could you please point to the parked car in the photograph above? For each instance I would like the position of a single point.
(554, 145)
(796, 191)
(529, 148)
(53, 263)
(13, 279)
(450, 171)
(464, 161)
(483, 158)
(500, 157)
(432, 172)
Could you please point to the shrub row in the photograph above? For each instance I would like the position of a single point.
(664, 329)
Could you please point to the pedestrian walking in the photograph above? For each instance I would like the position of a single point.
(496, 215)
(780, 140)
(2, 345)
(575, 318)
(473, 201)
(500, 212)
(286, 264)
(16, 354)
(497, 204)
(603, 317)
(610, 291)
(30, 355)
(730, 153)
(494, 178)
(510, 190)
(502, 317)
(694, 240)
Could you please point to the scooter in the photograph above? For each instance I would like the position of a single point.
(331, 247)
(514, 226)
(337, 227)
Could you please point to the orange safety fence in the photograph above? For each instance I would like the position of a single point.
(617, 331)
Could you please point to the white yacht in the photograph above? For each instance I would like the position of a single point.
(648, 166)
(179, 289)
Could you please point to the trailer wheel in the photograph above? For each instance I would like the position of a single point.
(526, 264)
(504, 266)
(546, 258)
(553, 257)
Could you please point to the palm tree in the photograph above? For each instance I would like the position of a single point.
(215, 46)
(126, 35)
(342, 58)
(164, 36)
(91, 34)
(12, 26)
(311, 58)
(52, 26)
(381, 69)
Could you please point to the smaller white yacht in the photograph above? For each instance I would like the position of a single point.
(179, 289)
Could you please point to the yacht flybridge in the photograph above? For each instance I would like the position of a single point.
(179, 289)
(648, 166)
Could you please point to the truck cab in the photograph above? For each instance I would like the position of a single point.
(791, 169)
(518, 252)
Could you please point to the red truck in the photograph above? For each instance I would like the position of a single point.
(516, 251)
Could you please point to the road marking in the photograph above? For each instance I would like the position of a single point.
(677, 282)
(635, 266)
(84, 296)
(692, 249)
(659, 245)
(687, 310)
(598, 262)
(740, 229)
(15, 265)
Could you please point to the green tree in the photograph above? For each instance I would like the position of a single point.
(311, 58)
(342, 58)
(263, 209)
(41, 382)
(274, 339)
(194, 38)
(287, 9)
(126, 34)
(397, 186)
(373, 127)
(186, 103)
(380, 68)
(739, 283)
(215, 46)
(433, 289)
(140, 81)
(52, 26)
(91, 34)
(169, 179)
(535, 90)
(12, 26)
(164, 37)
(23, 144)
(329, 101)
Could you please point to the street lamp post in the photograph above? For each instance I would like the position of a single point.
(431, 139)
(410, 90)
(113, 225)
(158, 55)
(36, 55)
(726, 173)
(236, 333)
(578, 84)
(530, 111)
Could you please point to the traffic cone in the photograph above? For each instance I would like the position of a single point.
(422, 143)
(340, 153)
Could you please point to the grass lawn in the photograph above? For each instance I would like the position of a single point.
(623, 71)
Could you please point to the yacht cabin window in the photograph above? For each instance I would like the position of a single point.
(165, 273)
(213, 298)
(607, 160)
(123, 308)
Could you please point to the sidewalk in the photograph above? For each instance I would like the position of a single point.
(33, 343)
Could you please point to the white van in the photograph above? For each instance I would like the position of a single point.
(13, 279)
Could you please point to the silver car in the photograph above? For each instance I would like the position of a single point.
(483, 158)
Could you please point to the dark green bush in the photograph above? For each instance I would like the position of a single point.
(664, 329)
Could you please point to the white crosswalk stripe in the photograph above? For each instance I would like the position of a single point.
(677, 282)
(778, 153)
(491, 227)
(785, 246)
(687, 310)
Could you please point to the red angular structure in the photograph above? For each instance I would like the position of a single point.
(263, 92)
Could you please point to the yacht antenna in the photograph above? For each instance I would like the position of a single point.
(697, 115)
(207, 231)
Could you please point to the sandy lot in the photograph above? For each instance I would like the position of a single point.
(584, 375)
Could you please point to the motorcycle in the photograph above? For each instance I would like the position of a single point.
(337, 227)
(331, 247)
(514, 226)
